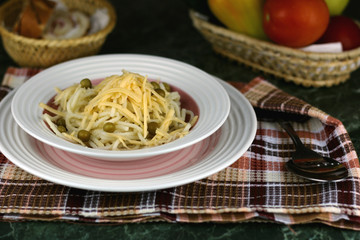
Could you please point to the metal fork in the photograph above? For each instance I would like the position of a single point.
(305, 162)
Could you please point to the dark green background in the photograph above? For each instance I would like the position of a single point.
(163, 28)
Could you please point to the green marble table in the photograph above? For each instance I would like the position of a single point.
(163, 28)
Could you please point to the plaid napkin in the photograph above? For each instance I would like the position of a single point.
(257, 187)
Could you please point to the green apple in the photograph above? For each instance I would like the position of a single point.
(336, 7)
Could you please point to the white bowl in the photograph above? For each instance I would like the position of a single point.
(210, 96)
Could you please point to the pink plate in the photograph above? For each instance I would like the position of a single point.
(128, 170)
(190, 164)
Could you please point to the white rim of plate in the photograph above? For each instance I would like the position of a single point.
(210, 96)
(237, 134)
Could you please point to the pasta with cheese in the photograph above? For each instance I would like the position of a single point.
(122, 112)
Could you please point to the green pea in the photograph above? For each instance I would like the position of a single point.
(84, 135)
(109, 127)
(62, 129)
(160, 92)
(167, 86)
(152, 126)
(60, 122)
(85, 83)
(155, 85)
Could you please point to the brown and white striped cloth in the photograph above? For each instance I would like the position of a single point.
(257, 187)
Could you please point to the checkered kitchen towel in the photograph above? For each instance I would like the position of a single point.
(257, 187)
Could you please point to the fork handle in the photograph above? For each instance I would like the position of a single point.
(291, 132)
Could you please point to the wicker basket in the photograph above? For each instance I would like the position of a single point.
(303, 68)
(43, 53)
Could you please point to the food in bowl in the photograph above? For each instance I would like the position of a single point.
(120, 112)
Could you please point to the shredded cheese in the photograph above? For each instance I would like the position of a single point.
(130, 102)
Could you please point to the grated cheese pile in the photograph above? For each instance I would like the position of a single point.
(130, 102)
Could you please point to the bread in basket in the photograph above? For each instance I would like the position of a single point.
(32, 52)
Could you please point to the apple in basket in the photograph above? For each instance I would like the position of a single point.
(342, 29)
(295, 23)
(336, 7)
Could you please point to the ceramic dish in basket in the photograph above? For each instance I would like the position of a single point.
(207, 93)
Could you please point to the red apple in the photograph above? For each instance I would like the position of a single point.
(342, 29)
